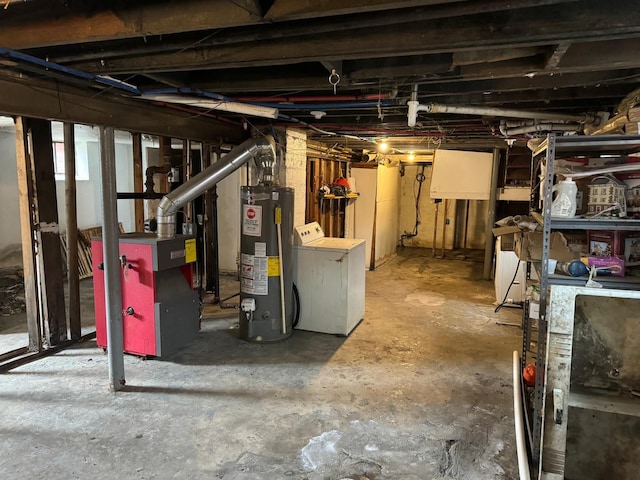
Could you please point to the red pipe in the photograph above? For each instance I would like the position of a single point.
(316, 98)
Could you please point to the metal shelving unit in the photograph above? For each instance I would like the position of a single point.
(536, 343)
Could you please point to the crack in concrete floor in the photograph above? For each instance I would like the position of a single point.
(415, 392)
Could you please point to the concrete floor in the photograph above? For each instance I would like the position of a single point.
(420, 390)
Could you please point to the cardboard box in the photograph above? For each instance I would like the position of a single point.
(529, 247)
(614, 264)
(603, 243)
(507, 237)
(610, 243)
(632, 249)
(577, 242)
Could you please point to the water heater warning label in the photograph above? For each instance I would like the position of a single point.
(254, 279)
(252, 220)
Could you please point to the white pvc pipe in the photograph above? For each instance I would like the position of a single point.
(521, 447)
(504, 112)
(544, 127)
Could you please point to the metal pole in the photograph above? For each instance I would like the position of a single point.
(435, 232)
(491, 216)
(110, 243)
(72, 231)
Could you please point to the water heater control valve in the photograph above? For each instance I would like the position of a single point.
(248, 305)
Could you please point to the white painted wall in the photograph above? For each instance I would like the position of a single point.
(229, 220)
(366, 181)
(292, 174)
(455, 214)
(88, 183)
(10, 243)
(387, 210)
(377, 209)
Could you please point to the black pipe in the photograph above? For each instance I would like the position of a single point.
(140, 195)
(216, 251)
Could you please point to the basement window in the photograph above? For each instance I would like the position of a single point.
(82, 167)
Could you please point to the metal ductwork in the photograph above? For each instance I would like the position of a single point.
(170, 204)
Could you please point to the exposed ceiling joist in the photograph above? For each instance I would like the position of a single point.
(317, 26)
(540, 55)
(516, 28)
(297, 10)
(49, 100)
(159, 18)
(472, 57)
(556, 55)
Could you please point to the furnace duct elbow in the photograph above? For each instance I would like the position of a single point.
(171, 203)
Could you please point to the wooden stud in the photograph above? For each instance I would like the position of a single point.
(138, 181)
(47, 234)
(25, 197)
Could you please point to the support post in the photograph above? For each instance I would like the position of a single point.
(138, 181)
(49, 254)
(491, 216)
(25, 198)
(73, 275)
(212, 266)
(110, 242)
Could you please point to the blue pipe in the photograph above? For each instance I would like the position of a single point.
(69, 71)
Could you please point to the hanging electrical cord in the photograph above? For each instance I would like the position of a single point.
(506, 295)
(420, 178)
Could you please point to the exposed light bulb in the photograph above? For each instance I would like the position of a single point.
(383, 147)
(411, 157)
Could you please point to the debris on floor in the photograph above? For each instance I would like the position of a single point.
(11, 291)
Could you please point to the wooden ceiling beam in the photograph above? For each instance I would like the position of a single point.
(297, 10)
(546, 81)
(537, 99)
(619, 53)
(556, 55)
(51, 101)
(159, 18)
(318, 25)
(518, 29)
(472, 57)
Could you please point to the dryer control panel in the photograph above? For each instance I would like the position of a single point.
(305, 234)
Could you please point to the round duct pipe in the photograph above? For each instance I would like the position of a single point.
(171, 203)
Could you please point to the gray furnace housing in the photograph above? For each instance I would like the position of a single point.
(259, 267)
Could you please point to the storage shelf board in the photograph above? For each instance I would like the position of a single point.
(605, 402)
(619, 283)
(595, 224)
(598, 144)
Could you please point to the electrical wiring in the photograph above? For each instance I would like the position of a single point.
(420, 178)
(506, 295)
